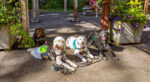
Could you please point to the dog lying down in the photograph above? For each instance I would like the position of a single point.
(41, 52)
(59, 49)
(100, 41)
(78, 44)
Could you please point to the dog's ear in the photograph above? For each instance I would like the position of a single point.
(84, 36)
(77, 35)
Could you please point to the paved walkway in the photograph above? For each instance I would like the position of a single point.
(133, 66)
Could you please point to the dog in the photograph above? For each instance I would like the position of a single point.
(100, 41)
(39, 36)
(41, 52)
(59, 49)
(78, 44)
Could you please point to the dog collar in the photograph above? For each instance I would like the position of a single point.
(74, 45)
(94, 37)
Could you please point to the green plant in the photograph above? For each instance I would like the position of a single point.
(52, 4)
(10, 14)
(129, 11)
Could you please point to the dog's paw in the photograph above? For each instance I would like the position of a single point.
(84, 60)
(91, 56)
(116, 58)
(105, 58)
(74, 65)
(72, 69)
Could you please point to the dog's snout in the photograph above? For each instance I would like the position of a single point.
(82, 43)
(56, 45)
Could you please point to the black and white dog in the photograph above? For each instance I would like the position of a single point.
(100, 40)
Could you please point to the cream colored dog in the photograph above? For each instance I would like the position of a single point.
(59, 49)
(78, 44)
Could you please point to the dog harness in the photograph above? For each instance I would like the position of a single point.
(74, 45)
(44, 54)
(94, 37)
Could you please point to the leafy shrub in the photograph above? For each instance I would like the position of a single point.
(10, 14)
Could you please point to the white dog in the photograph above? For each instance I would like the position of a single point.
(78, 44)
(59, 47)
(37, 52)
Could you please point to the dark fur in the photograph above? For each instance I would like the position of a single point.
(39, 36)
(101, 44)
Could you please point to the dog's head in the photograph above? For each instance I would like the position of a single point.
(103, 35)
(81, 40)
(59, 43)
(39, 32)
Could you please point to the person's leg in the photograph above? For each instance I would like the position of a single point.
(96, 10)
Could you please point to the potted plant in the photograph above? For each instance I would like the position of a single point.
(11, 25)
(127, 21)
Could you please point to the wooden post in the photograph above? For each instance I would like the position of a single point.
(146, 4)
(34, 10)
(65, 5)
(105, 15)
(38, 10)
(25, 17)
(75, 9)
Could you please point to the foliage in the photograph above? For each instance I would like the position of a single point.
(129, 10)
(54, 4)
(58, 5)
(10, 14)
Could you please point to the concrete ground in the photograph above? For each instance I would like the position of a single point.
(133, 66)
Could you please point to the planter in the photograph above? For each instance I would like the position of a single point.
(6, 39)
(125, 33)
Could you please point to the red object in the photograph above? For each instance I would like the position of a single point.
(105, 15)
(92, 2)
(146, 4)
(75, 10)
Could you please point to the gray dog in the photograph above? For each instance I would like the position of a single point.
(100, 40)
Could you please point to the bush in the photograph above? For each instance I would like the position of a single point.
(10, 13)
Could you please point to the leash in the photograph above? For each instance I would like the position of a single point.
(62, 69)
(89, 61)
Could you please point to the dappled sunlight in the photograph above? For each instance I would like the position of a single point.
(147, 29)
(86, 25)
(66, 30)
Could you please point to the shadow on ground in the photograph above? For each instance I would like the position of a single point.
(16, 65)
(145, 40)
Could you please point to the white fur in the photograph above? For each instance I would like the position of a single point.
(60, 42)
(80, 43)
(35, 52)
